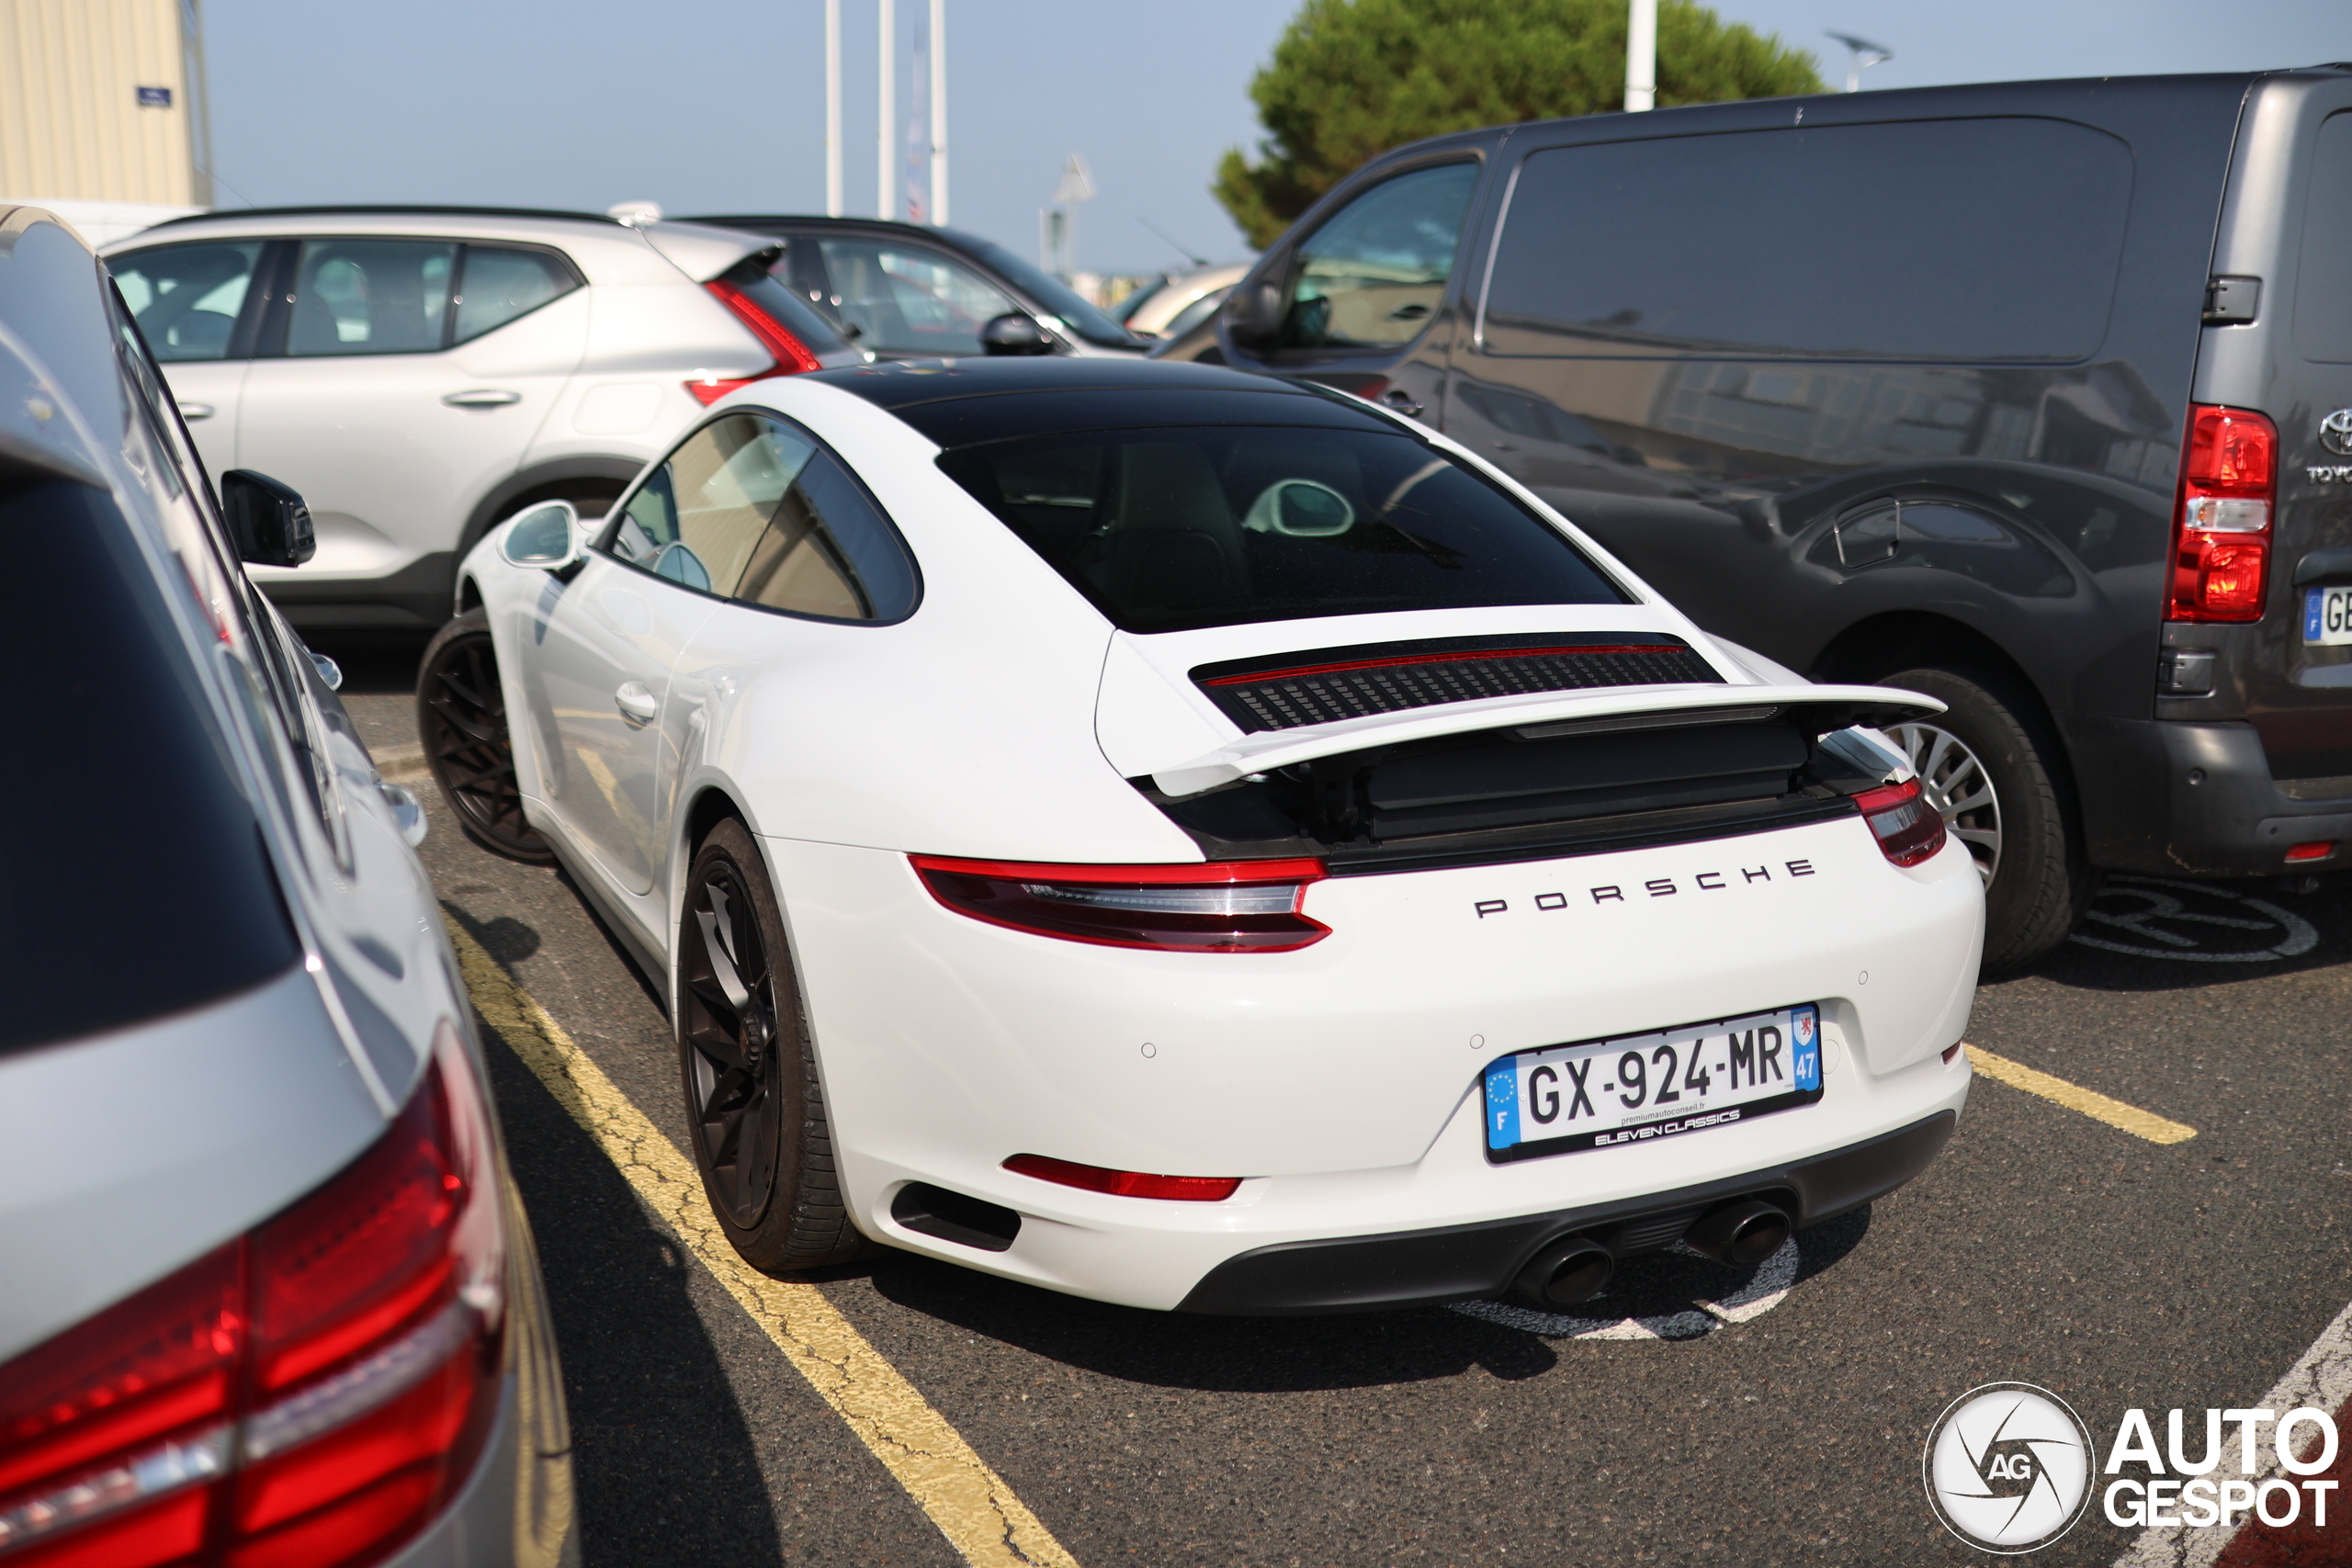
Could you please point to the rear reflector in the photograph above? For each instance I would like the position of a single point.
(2319, 850)
(1907, 829)
(1125, 1183)
(311, 1394)
(1218, 907)
(2221, 537)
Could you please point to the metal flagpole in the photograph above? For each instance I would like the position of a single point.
(1641, 56)
(939, 112)
(886, 133)
(833, 108)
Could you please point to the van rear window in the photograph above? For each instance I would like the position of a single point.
(2324, 283)
(1970, 239)
(1166, 529)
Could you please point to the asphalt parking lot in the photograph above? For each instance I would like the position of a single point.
(1689, 1414)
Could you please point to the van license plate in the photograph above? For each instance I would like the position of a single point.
(2327, 616)
(1603, 1094)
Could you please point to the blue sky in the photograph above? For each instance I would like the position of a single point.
(705, 106)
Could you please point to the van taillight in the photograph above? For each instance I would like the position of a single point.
(311, 1394)
(1907, 829)
(791, 355)
(1218, 906)
(2229, 484)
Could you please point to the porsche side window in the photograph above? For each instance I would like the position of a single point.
(828, 552)
(749, 507)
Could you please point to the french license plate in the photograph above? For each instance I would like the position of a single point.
(2327, 616)
(1601, 1094)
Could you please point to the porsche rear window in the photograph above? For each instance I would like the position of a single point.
(1169, 529)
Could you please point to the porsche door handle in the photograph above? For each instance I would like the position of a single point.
(483, 398)
(193, 412)
(636, 703)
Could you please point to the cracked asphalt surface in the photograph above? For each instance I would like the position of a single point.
(2042, 1248)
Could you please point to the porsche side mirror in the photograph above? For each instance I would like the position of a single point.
(1013, 332)
(1253, 314)
(546, 536)
(267, 520)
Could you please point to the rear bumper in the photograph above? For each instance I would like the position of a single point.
(1376, 1273)
(2168, 798)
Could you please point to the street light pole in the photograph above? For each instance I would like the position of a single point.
(886, 133)
(939, 112)
(1861, 55)
(833, 108)
(1641, 56)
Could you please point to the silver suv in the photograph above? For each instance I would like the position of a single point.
(421, 373)
(267, 1294)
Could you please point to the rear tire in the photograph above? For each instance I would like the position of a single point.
(755, 1111)
(461, 720)
(1990, 764)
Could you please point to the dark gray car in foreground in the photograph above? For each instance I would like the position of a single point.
(2035, 397)
(267, 1293)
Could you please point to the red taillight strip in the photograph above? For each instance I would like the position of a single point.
(792, 356)
(1125, 1183)
(1397, 663)
(1197, 874)
(168, 1467)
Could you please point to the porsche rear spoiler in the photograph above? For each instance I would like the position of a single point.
(1539, 715)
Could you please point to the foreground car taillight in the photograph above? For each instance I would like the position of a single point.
(1907, 829)
(1125, 1183)
(2229, 483)
(792, 356)
(312, 1394)
(1219, 906)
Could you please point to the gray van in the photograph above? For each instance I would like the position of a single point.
(2036, 397)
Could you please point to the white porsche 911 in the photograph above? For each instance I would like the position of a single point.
(1204, 841)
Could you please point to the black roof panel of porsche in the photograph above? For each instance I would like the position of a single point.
(961, 402)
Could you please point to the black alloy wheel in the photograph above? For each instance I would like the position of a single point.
(754, 1101)
(461, 718)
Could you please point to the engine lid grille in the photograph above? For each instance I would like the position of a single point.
(1325, 684)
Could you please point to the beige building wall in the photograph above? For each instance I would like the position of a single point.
(72, 125)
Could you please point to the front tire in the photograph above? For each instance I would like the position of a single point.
(754, 1107)
(461, 720)
(1990, 766)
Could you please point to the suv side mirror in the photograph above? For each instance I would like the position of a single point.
(546, 536)
(1013, 332)
(1253, 313)
(267, 520)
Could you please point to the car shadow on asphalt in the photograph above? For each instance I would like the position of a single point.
(2149, 934)
(1289, 1355)
(647, 1393)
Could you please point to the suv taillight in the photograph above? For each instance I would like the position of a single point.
(2229, 483)
(792, 356)
(1219, 906)
(312, 1394)
(1907, 829)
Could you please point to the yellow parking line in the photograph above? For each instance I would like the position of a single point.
(970, 1502)
(2074, 1097)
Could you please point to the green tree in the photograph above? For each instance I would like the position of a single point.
(1352, 78)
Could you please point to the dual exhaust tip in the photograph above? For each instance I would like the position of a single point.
(1573, 1268)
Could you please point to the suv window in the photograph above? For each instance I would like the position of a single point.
(1167, 529)
(188, 298)
(370, 297)
(500, 285)
(2323, 277)
(1967, 238)
(910, 298)
(1372, 277)
(750, 507)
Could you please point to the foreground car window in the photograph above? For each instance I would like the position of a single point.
(750, 508)
(187, 299)
(1174, 528)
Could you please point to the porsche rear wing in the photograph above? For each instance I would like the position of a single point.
(1819, 709)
